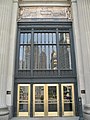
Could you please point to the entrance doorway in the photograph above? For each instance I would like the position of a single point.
(23, 100)
(46, 100)
(44, 67)
(68, 103)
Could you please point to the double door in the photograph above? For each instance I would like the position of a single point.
(46, 100)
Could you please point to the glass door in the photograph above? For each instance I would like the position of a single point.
(45, 100)
(38, 99)
(23, 101)
(53, 100)
(68, 103)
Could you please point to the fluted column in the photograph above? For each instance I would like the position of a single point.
(78, 50)
(84, 23)
(11, 62)
(5, 21)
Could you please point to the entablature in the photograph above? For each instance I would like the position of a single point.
(44, 2)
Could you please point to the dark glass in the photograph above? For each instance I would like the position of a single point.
(29, 38)
(39, 107)
(24, 57)
(25, 38)
(21, 58)
(68, 107)
(67, 98)
(52, 107)
(65, 57)
(21, 38)
(45, 38)
(45, 56)
(39, 94)
(23, 93)
(64, 38)
(39, 99)
(52, 93)
(23, 107)
(23, 99)
(25, 51)
(45, 51)
(52, 98)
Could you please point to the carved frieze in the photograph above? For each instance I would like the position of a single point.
(44, 12)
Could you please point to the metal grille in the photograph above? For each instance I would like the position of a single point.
(45, 50)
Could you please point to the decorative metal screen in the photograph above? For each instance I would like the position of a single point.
(64, 51)
(45, 50)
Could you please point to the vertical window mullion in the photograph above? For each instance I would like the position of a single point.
(58, 57)
(26, 55)
(50, 56)
(41, 52)
(48, 52)
(23, 59)
(32, 51)
(37, 52)
(47, 56)
(20, 57)
(45, 51)
(52, 67)
(72, 50)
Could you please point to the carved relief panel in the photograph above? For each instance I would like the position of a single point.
(45, 12)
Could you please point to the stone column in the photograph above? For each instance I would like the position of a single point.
(84, 23)
(78, 50)
(5, 23)
(11, 55)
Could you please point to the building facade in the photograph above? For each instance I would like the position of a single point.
(44, 58)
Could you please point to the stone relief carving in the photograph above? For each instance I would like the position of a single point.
(44, 12)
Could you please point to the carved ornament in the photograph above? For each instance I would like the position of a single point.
(44, 12)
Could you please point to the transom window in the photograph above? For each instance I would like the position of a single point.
(45, 50)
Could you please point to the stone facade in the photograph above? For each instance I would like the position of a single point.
(5, 26)
(8, 30)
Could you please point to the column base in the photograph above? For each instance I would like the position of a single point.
(10, 108)
(4, 114)
(86, 113)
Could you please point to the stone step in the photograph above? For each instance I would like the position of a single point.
(45, 118)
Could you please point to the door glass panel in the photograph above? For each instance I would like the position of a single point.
(23, 100)
(23, 108)
(39, 99)
(68, 107)
(67, 98)
(52, 99)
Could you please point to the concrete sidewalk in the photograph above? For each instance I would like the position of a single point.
(45, 118)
